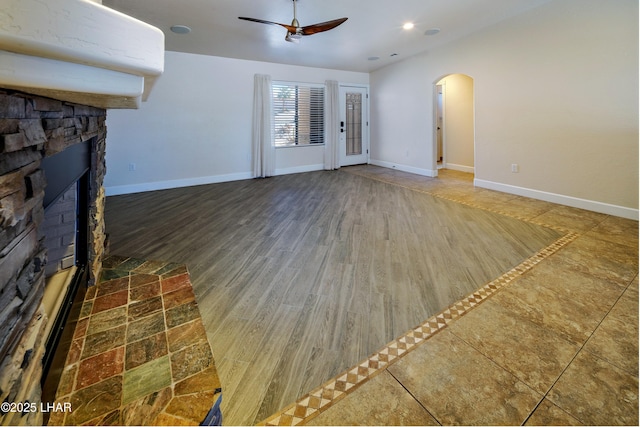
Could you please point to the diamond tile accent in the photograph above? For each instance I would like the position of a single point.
(331, 392)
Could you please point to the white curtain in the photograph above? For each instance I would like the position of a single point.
(264, 151)
(332, 126)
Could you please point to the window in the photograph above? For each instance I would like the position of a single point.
(298, 112)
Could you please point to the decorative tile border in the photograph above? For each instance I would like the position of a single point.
(334, 390)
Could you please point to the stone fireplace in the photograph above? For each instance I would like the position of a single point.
(34, 129)
(64, 63)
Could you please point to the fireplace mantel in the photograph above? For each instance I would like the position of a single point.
(78, 51)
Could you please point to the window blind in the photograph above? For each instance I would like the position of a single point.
(298, 114)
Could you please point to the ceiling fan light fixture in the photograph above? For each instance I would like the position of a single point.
(293, 38)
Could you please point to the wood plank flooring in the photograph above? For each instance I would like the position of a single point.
(299, 277)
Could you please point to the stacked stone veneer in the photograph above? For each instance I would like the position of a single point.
(32, 128)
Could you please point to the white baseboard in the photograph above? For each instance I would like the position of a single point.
(299, 169)
(575, 202)
(118, 190)
(404, 168)
(461, 168)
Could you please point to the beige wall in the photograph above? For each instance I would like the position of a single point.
(556, 91)
(458, 124)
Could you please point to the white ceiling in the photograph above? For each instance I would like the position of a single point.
(374, 27)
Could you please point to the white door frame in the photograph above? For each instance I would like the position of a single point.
(342, 142)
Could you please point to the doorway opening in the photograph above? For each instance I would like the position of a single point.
(454, 123)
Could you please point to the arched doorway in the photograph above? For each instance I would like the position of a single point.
(454, 123)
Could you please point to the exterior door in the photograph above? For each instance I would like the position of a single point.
(354, 125)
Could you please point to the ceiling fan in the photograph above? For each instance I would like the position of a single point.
(295, 31)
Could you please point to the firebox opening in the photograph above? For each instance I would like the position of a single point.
(65, 233)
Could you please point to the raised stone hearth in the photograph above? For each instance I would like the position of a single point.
(140, 353)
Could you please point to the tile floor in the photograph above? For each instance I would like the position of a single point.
(552, 342)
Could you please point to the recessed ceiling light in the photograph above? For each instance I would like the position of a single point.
(373, 58)
(180, 29)
(408, 26)
(432, 32)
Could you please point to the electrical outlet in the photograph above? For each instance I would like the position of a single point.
(515, 168)
(132, 167)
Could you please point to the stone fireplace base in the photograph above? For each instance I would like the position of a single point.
(31, 129)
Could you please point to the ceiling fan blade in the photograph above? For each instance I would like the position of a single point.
(289, 28)
(323, 26)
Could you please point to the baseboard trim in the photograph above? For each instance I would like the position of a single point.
(300, 169)
(118, 190)
(460, 168)
(404, 168)
(575, 202)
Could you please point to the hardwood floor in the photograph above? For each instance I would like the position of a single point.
(299, 277)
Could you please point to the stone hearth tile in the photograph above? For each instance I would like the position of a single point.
(140, 309)
(548, 414)
(95, 400)
(67, 379)
(104, 341)
(186, 334)
(91, 293)
(596, 392)
(100, 367)
(188, 405)
(146, 379)
(144, 292)
(113, 300)
(175, 282)
(145, 350)
(191, 360)
(111, 286)
(113, 261)
(108, 275)
(182, 314)
(534, 354)
(75, 350)
(151, 267)
(139, 279)
(176, 270)
(87, 307)
(142, 411)
(366, 407)
(616, 339)
(106, 320)
(81, 328)
(165, 419)
(460, 386)
(171, 270)
(131, 264)
(205, 380)
(113, 418)
(181, 296)
(145, 327)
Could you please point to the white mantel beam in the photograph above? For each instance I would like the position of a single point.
(78, 49)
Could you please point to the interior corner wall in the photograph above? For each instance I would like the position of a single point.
(556, 91)
(195, 128)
